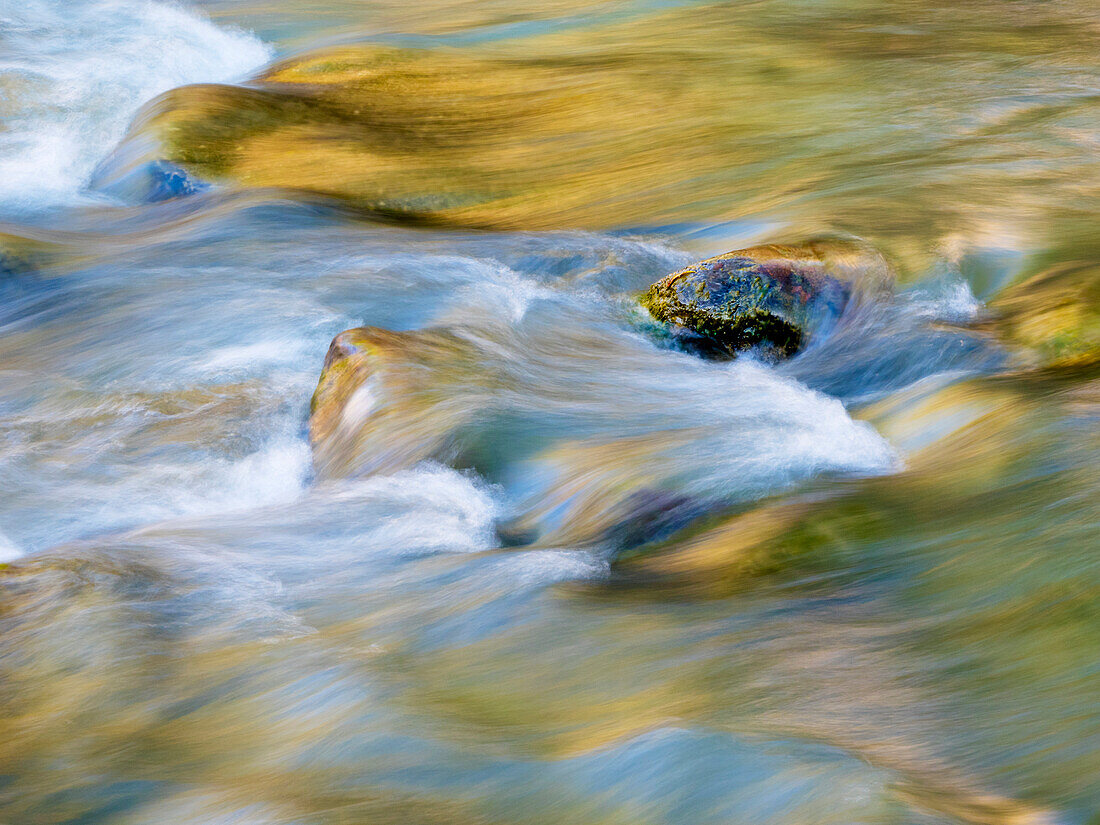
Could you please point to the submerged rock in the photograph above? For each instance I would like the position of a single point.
(526, 134)
(150, 182)
(774, 297)
(457, 137)
(1055, 315)
(19, 255)
(615, 493)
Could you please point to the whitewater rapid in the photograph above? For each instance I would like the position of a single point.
(74, 72)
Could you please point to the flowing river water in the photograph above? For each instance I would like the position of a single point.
(857, 586)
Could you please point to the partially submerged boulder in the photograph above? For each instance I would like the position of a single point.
(387, 400)
(552, 131)
(773, 297)
(1055, 316)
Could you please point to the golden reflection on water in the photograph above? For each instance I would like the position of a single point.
(903, 122)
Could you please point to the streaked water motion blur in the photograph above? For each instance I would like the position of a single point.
(545, 567)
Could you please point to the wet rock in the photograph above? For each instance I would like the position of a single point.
(617, 493)
(387, 400)
(1054, 316)
(772, 297)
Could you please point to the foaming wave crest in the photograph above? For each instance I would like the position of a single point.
(74, 72)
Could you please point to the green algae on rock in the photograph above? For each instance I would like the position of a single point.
(774, 297)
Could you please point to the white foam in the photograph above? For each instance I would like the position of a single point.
(275, 474)
(249, 357)
(755, 431)
(515, 292)
(950, 301)
(453, 511)
(781, 432)
(274, 355)
(74, 72)
(8, 550)
(537, 568)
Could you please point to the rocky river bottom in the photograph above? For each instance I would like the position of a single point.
(517, 549)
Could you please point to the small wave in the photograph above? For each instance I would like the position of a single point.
(272, 475)
(448, 511)
(276, 473)
(511, 292)
(8, 550)
(949, 301)
(538, 568)
(177, 486)
(74, 72)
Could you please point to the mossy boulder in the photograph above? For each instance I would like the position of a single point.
(774, 297)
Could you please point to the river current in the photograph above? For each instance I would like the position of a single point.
(858, 586)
